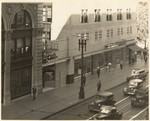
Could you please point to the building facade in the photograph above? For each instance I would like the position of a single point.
(22, 29)
(111, 38)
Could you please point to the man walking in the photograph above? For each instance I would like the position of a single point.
(98, 72)
(34, 92)
(98, 86)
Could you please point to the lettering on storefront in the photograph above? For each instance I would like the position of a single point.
(116, 44)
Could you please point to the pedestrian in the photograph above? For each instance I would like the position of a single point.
(98, 72)
(34, 92)
(109, 66)
(84, 80)
(121, 64)
(98, 86)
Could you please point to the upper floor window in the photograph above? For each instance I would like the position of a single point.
(84, 16)
(100, 34)
(96, 35)
(111, 32)
(109, 15)
(97, 15)
(121, 31)
(118, 31)
(127, 30)
(21, 20)
(130, 30)
(107, 33)
(47, 13)
(128, 14)
(21, 47)
(119, 14)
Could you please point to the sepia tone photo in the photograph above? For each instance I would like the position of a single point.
(75, 60)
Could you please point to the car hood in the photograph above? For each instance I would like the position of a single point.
(102, 116)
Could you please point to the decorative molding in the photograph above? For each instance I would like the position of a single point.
(24, 6)
(8, 35)
(9, 9)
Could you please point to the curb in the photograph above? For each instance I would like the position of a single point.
(78, 102)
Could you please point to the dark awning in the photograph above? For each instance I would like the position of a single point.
(135, 48)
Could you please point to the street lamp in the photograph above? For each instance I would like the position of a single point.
(82, 44)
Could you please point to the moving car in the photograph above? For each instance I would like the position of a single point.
(138, 74)
(141, 97)
(133, 86)
(108, 113)
(102, 98)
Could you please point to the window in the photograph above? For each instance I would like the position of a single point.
(130, 30)
(47, 13)
(127, 30)
(109, 15)
(87, 34)
(84, 16)
(43, 40)
(107, 33)
(100, 34)
(96, 35)
(121, 31)
(118, 31)
(128, 14)
(97, 15)
(21, 20)
(21, 47)
(119, 14)
(111, 32)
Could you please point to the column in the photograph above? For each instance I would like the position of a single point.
(7, 95)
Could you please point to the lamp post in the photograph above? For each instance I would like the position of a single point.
(82, 44)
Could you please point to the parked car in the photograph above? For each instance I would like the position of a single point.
(102, 98)
(138, 74)
(141, 97)
(133, 86)
(108, 113)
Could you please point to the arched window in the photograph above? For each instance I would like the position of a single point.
(21, 20)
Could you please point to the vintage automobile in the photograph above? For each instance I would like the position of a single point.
(102, 98)
(141, 97)
(133, 86)
(138, 74)
(108, 113)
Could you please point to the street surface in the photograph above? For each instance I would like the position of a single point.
(81, 111)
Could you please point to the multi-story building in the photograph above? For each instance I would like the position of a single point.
(22, 29)
(111, 38)
(142, 21)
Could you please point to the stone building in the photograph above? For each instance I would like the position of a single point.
(22, 28)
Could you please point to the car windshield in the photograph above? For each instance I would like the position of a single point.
(132, 84)
(105, 111)
(100, 97)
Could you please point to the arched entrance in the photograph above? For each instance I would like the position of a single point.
(21, 55)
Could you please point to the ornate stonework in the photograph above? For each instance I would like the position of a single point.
(8, 35)
(9, 9)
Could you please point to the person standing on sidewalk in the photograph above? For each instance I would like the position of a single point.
(109, 66)
(98, 72)
(98, 86)
(121, 64)
(34, 92)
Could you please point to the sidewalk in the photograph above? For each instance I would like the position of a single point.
(53, 101)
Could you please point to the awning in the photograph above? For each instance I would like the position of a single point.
(135, 48)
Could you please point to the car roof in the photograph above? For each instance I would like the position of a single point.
(135, 80)
(108, 107)
(106, 93)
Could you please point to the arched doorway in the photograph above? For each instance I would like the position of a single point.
(21, 55)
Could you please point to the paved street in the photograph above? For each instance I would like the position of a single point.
(123, 104)
(56, 100)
